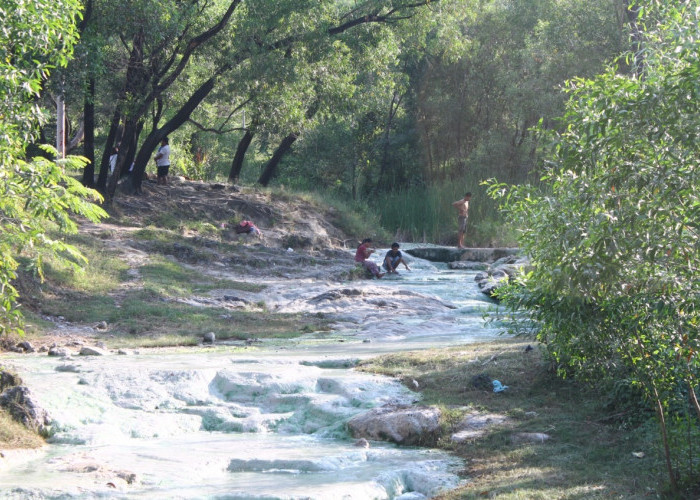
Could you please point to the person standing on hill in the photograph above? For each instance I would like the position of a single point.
(462, 207)
(162, 159)
(113, 159)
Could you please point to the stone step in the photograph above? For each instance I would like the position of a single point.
(451, 254)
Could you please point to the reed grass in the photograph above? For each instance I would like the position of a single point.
(425, 214)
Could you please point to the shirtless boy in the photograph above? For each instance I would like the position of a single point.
(462, 207)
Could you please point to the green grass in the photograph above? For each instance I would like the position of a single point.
(104, 271)
(14, 435)
(152, 317)
(589, 455)
(143, 306)
(171, 279)
(426, 214)
(351, 217)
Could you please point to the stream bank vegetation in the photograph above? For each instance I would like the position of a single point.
(613, 237)
(602, 444)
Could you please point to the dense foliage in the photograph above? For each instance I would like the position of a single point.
(35, 194)
(361, 100)
(613, 234)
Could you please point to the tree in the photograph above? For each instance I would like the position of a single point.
(475, 112)
(613, 236)
(35, 193)
(178, 53)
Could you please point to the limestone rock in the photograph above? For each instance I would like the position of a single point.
(451, 254)
(68, 368)
(468, 265)
(408, 425)
(19, 404)
(92, 351)
(476, 425)
(58, 351)
(362, 443)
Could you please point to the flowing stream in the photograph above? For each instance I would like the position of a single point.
(267, 421)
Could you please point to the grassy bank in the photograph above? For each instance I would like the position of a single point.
(14, 435)
(145, 293)
(591, 453)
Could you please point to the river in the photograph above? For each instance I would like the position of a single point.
(265, 421)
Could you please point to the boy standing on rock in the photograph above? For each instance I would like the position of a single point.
(462, 207)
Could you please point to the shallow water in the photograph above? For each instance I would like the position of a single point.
(268, 422)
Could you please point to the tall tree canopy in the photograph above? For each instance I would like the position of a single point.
(170, 56)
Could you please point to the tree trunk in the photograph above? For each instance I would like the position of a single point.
(128, 143)
(693, 396)
(384, 166)
(113, 137)
(271, 167)
(154, 138)
(89, 124)
(637, 38)
(131, 152)
(241, 150)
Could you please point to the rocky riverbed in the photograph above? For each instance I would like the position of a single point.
(256, 418)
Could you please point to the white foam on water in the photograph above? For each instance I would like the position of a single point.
(268, 423)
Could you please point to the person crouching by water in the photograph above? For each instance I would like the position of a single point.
(393, 258)
(362, 256)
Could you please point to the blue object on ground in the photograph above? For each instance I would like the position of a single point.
(498, 387)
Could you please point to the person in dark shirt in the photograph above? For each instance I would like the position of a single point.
(393, 258)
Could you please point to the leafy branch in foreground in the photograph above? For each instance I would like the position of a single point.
(614, 239)
(35, 194)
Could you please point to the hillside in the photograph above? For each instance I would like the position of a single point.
(173, 244)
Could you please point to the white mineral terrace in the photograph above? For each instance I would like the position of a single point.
(266, 422)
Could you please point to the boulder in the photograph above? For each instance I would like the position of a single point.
(8, 379)
(490, 281)
(502, 272)
(58, 351)
(92, 351)
(19, 404)
(408, 425)
(26, 346)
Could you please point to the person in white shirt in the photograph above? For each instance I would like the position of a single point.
(113, 160)
(162, 159)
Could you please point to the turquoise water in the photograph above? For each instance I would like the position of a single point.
(266, 423)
